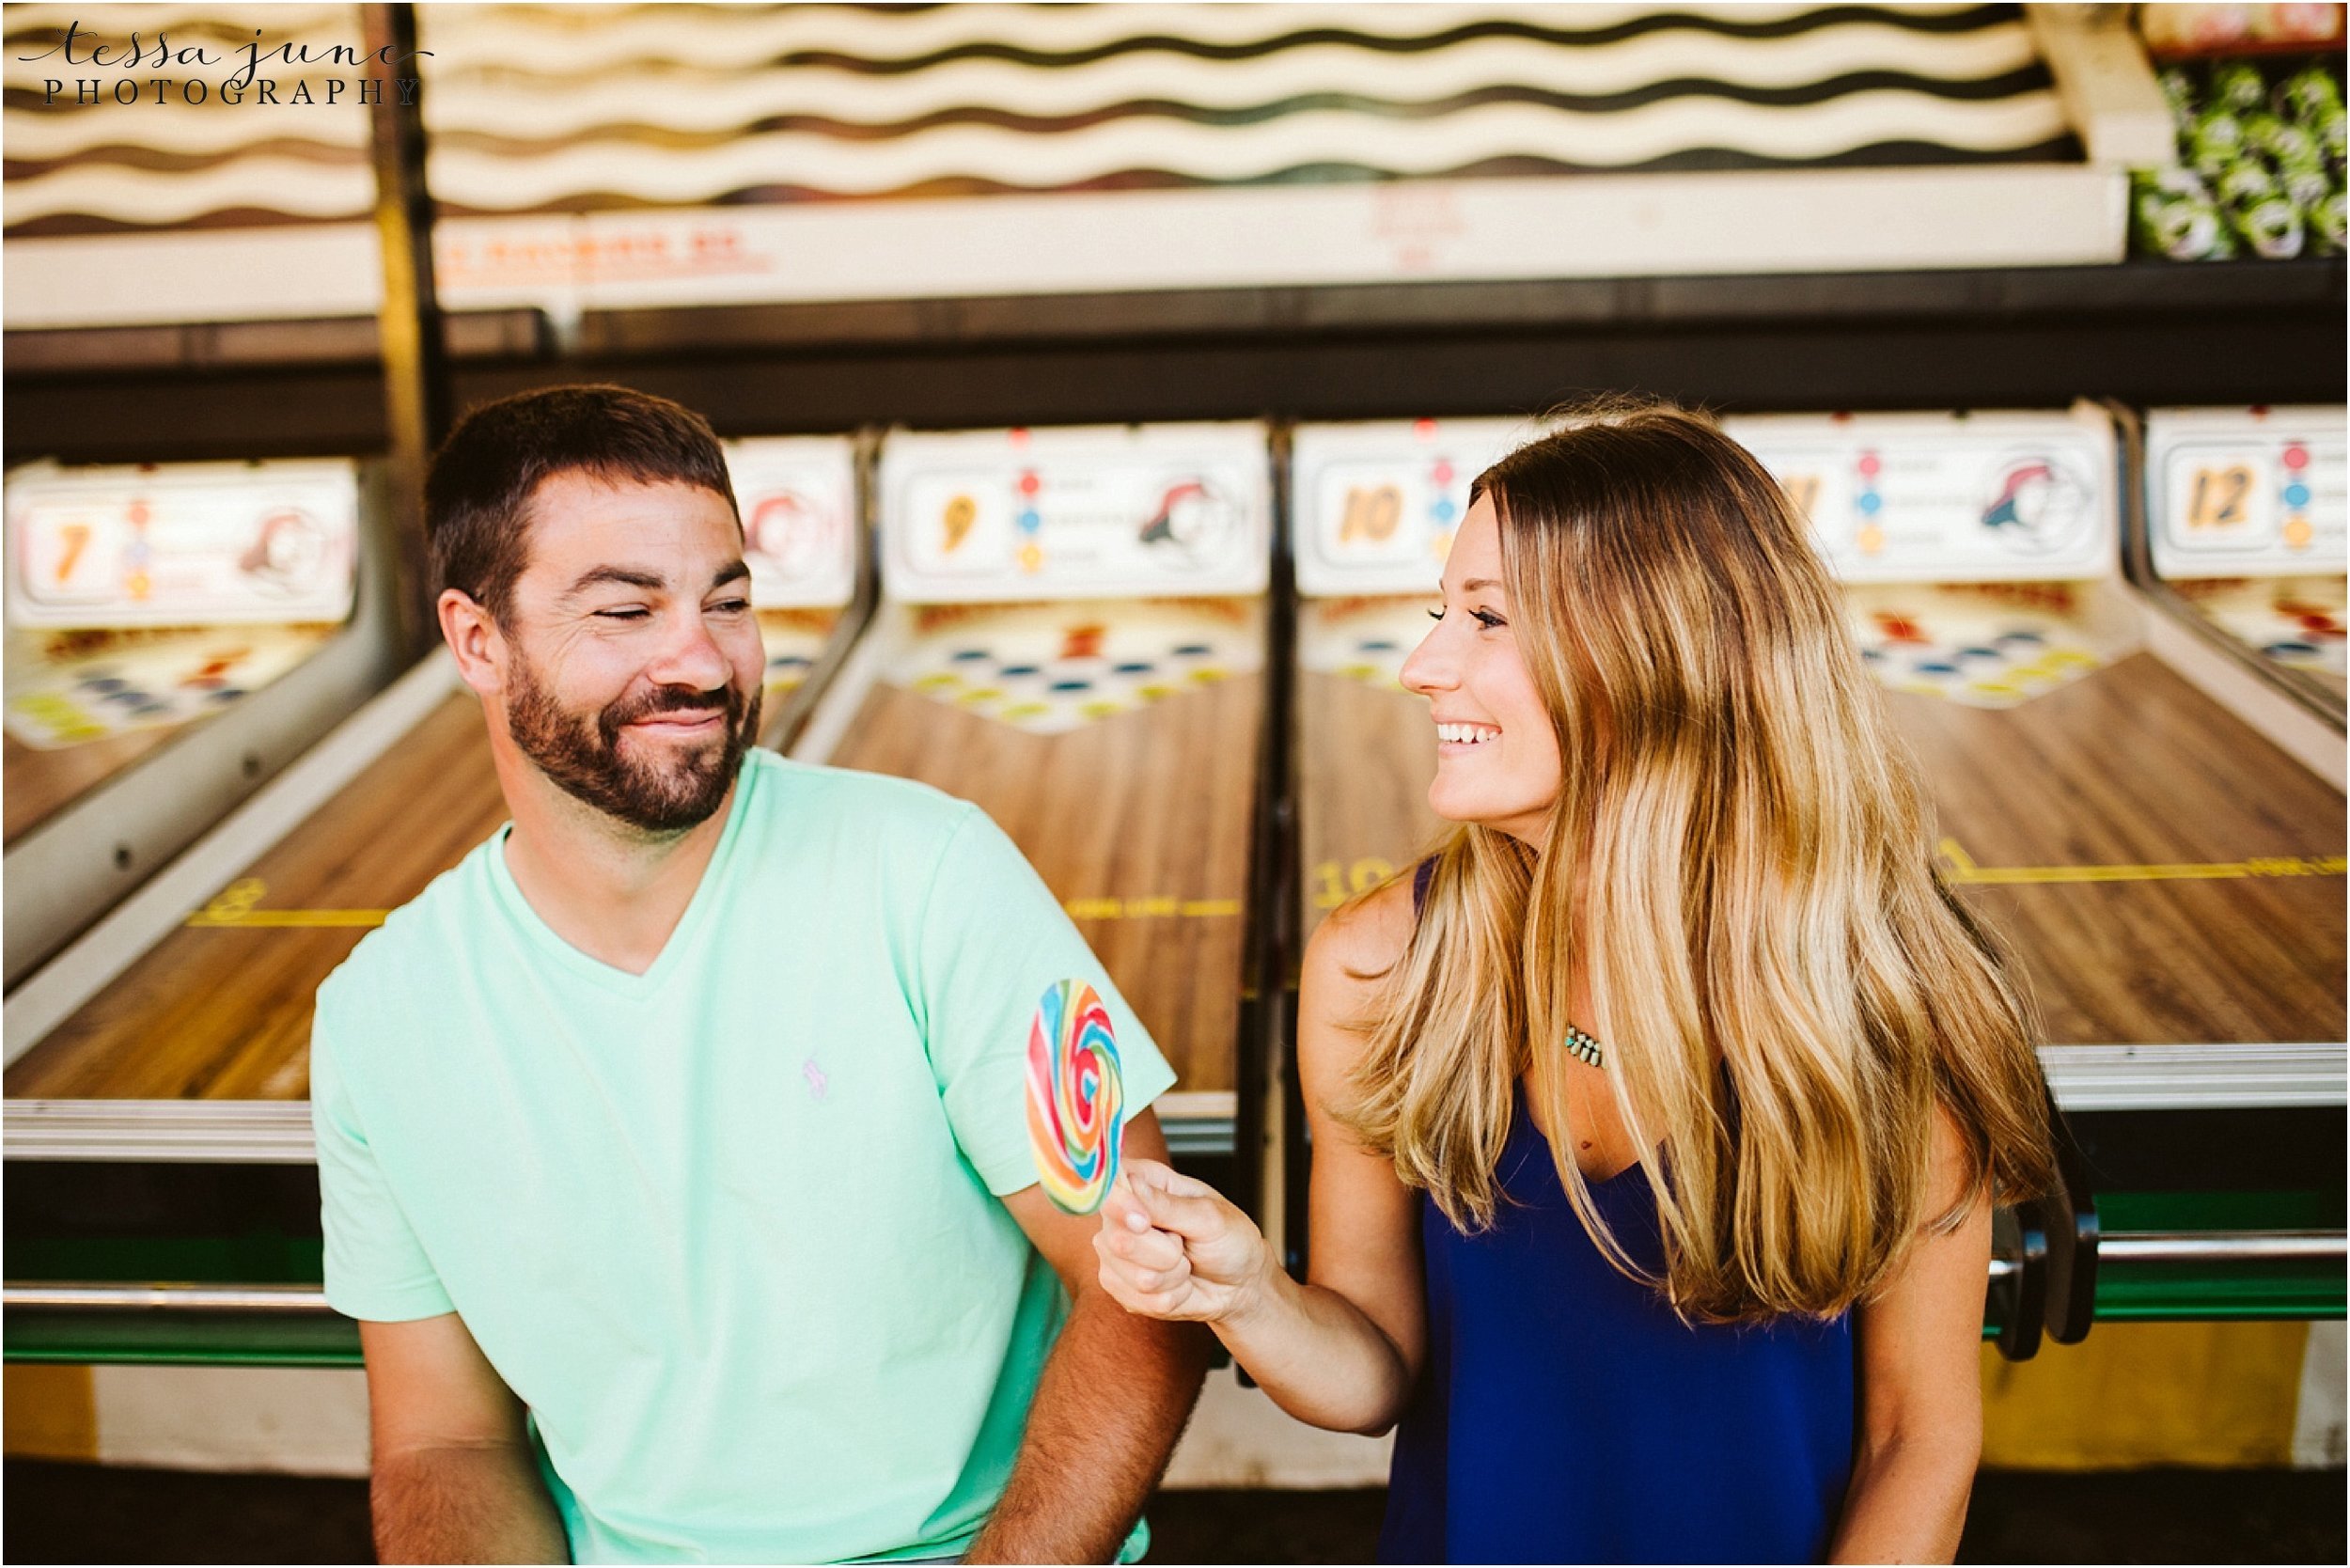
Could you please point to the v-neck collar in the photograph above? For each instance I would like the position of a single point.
(610, 977)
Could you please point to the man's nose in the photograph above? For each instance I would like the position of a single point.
(690, 656)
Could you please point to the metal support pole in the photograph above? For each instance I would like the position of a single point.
(415, 355)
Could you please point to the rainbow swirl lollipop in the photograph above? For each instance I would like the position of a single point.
(1074, 1096)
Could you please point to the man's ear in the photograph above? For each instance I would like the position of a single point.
(473, 636)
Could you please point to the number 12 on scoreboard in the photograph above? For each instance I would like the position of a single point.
(2221, 498)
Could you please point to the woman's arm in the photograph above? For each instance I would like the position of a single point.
(1920, 1390)
(1341, 1351)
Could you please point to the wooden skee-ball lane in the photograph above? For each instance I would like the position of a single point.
(1073, 637)
(2170, 879)
(2168, 875)
(176, 634)
(2059, 821)
(215, 1013)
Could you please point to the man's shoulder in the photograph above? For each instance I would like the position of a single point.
(415, 942)
(870, 804)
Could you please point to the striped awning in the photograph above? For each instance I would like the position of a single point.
(555, 109)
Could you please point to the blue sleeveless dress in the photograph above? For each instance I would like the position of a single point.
(1565, 1415)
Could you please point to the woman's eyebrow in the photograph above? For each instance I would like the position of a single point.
(1476, 583)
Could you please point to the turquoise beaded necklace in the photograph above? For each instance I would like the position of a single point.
(1583, 1048)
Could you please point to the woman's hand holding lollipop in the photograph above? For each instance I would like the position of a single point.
(1173, 1248)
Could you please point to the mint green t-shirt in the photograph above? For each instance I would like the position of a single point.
(728, 1227)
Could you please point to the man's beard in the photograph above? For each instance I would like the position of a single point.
(584, 757)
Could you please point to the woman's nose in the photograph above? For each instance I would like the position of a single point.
(1429, 667)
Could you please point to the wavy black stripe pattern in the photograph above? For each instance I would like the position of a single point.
(2029, 79)
(1777, 26)
(1971, 20)
(2010, 84)
(162, 160)
(59, 224)
(1880, 154)
(2032, 79)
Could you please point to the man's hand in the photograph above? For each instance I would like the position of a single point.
(1114, 1397)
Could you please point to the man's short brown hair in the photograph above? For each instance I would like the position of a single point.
(477, 498)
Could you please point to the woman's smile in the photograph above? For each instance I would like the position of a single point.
(1457, 737)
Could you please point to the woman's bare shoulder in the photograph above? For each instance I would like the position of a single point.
(1346, 964)
(1352, 951)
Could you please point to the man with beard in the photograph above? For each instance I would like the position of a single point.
(673, 1145)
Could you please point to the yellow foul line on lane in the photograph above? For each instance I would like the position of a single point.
(1964, 870)
(236, 905)
(285, 918)
(235, 908)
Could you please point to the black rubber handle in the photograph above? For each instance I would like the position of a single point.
(2019, 1296)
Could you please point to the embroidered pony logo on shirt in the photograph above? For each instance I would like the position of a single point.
(817, 1082)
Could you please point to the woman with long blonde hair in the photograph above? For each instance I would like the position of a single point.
(1659, 1114)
